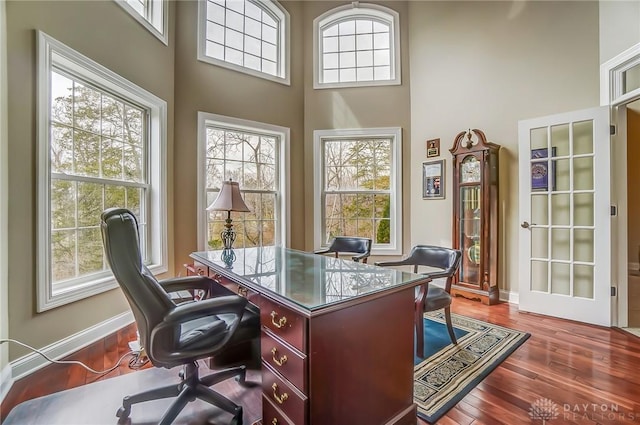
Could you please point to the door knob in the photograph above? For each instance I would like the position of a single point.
(524, 225)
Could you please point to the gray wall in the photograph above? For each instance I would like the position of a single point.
(104, 32)
(204, 87)
(357, 107)
(619, 27)
(487, 65)
(4, 195)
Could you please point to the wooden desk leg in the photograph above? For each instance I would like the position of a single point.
(419, 320)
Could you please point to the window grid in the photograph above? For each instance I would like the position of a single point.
(356, 188)
(356, 50)
(84, 190)
(221, 38)
(251, 159)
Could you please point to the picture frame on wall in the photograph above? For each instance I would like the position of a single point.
(433, 148)
(542, 176)
(433, 181)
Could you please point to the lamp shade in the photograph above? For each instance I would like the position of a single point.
(229, 199)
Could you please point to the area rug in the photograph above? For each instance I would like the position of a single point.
(448, 372)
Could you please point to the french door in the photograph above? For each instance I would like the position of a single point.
(565, 228)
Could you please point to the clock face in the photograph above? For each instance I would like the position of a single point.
(470, 170)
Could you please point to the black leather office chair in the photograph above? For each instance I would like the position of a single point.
(430, 297)
(360, 246)
(177, 335)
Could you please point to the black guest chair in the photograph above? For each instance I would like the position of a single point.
(430, 297)
(343, 244)
(177, 334)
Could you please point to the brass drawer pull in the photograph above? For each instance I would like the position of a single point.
(281, 399)
(280, 323)
(282, 360)
(274, 421)
(242, 291)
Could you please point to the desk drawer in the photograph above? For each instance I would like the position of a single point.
(271, 415)
(284, 324)
(285, 360)
(284, 396)
(236, 288)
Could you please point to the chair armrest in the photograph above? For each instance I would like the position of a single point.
(392, 263)
(186, 283)
(232, 304)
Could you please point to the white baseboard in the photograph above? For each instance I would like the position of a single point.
(509, 297)
(34, 361)
(6, 381)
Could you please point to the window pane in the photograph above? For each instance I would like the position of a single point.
(63, 204)
(63, 254)
(90, 255)
(112, 160)
(89, 204)
(86, 153)
(62, 99)
(112, 117)
(115, 196)
(61, 149)
(86, 108)
(246, 34)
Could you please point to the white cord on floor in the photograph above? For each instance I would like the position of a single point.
(102, 372)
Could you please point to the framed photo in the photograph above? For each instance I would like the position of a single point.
(433, 148)
(542, 176)
(433, 179)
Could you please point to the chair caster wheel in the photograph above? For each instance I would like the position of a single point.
(123, 413)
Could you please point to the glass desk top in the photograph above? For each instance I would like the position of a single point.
(310, 281)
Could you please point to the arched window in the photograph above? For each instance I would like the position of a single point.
(250, 36)
(356, 45)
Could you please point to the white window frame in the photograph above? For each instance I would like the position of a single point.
(52, 52)
(156, 21)
(347, 13)
(282, 197)
(395, 184)
(284, 48)
(612, 77)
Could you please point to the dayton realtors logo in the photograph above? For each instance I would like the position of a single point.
(546, 410)
(543, 410)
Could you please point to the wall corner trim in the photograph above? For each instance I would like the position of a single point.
(510, 297)
(31, 362)
(6, 381)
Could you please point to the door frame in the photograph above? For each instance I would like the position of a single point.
(611, 94)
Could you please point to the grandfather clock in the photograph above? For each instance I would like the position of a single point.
(475, 213)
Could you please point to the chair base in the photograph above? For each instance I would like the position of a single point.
(188, 389)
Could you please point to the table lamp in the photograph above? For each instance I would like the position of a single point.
(229, 199)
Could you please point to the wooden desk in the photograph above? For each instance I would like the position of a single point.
(337, 336)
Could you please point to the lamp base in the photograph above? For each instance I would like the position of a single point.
(228, 257)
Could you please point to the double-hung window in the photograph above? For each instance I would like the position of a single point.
(356, 45)
(254, 155)
(250, 36)
(358, 188)
(101, 144)
(151, 14)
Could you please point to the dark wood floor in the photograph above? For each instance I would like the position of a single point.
(591, 373)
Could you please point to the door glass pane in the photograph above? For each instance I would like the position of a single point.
(539, 138)
(560, 278)
(583, 281)
(560, 209)
(583, 173)
(540, 242)
(560, 140)
(539, 209)
(583, 209)
(582, 137)
(583, 245)
(560, 244)
(539, 276)
(631, 79)
(559, 175)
